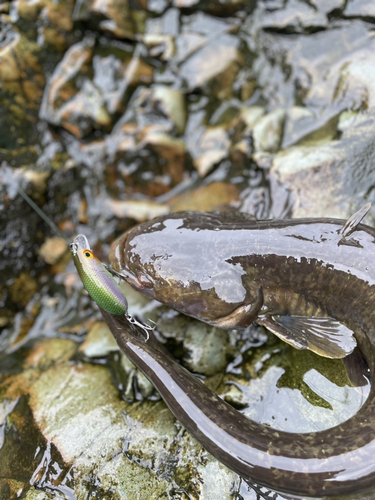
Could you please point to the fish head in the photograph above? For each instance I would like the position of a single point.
(173, 259)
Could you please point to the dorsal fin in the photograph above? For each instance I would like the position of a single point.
(352, 223)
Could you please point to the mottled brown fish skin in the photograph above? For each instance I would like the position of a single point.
(206, 265)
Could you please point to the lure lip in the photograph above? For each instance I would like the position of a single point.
(80, 242)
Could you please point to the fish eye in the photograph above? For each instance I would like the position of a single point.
(87, 254)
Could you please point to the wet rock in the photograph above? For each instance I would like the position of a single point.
(218, 481)
(142, 150)
(346, 120)
(296, 17)
(215, 65)
(81, 103)
(287, 67)
(250, 115)
(52, 20)
(206, 198)
(61, 89)
(147, 159)
(109, 16)
(235, 397)
(156, 6)
(298, 120)
(53, 249)
(172, 103)
(329, 6)
(349, 84)
(34, 494)
(187, 44)
(166, 24)
(6, 408)
(49, 353)
(99, 342)
(360, 8)
(4, 7)
(212, 147)
(207, 349)
(241, 131)
(268, 131)
(171, 150)
(20, 71)
(139, 210)
(80, 414)
(84, 112)
(113, 76)
(23, 288)
(345, 173)
(161, 46)
(262, 159)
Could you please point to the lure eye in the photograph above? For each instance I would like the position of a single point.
(87, 254)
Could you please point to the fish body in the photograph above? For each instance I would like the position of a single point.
(292, 276)
(324, 268)
(336, 463)
(99, 283)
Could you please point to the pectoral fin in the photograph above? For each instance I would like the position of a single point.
(243, 315)
(325, 336)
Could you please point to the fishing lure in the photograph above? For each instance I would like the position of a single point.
(97, 280)
(100, 283)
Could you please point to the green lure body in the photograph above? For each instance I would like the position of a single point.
(99, 283)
